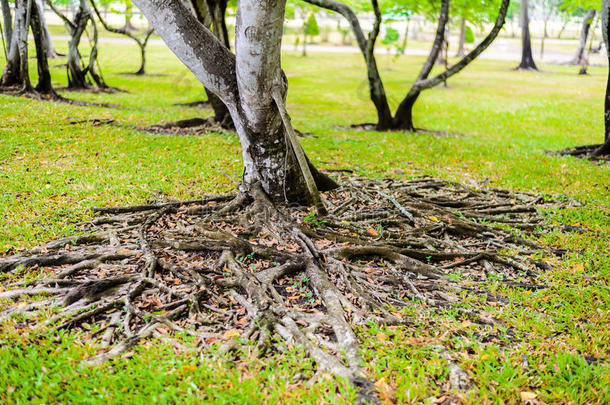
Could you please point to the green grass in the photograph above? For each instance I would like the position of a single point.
(52, 172)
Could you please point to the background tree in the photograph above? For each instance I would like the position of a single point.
(310, 29)
(142, 42)
(527, 59)
(586, 9)
(15, 76)
(81, 75)
(403, 118)
(604, 149)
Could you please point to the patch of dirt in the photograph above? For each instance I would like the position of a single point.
(191, 126)
(368, 126)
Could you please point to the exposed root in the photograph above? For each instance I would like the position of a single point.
(191, 126)
(584, 152)
(237, 266)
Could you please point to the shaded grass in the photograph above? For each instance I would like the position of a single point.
(52, 172)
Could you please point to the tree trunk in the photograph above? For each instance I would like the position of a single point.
(8, 24)
(527, 60)
(405, 39)
(10, 74)
(367, 47)
(77, 77)
(41, 40)
(245, 82)
(605, 148)
(404, 114)
(128, 16)
(584, 34)
(51, 53)
(460, 52)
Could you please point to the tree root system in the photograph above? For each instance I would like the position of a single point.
(237, 270)
(584, 151)
(191, 126)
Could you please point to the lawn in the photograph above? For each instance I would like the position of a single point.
(56, 164)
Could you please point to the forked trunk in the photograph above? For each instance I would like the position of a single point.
(41, 40)
(527, 60)
(245, 82)
(48, 43)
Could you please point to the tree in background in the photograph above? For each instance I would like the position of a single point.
(527, 59)
(403, 118)
(142, 42)
(15, 76)
(81, 76)
(587, 10)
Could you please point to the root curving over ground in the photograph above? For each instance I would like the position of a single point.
(238, 270)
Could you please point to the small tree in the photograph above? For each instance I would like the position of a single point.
(310, 29)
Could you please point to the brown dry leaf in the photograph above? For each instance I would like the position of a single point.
(232, 333)
(528, 396)
(382, 337)
(294, 297)
(189, 368)
(373, 232)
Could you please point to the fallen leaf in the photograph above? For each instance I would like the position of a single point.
(232, 333)
(432, 218)
(527, 395)
(189, 368)
(372, 232)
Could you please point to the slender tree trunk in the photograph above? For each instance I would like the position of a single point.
(10, 74)
(403, 119)
(584, 34)
(605, 148)
(527, 60)
(7, 24)
(128, 16)
(77, 77)
(405, 39)
(41, 40)
(462, 41)
(211, 13)
(51, 53)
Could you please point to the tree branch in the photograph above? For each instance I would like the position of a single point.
(426, 84)
(195, 45)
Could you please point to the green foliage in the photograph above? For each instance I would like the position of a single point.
(468, 35)
(311, 26)
(391, 36)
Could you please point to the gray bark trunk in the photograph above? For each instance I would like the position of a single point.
(7, 24)
(605, 14)
(584, 34)
(245, 82)
(48, 43)
(460, 52)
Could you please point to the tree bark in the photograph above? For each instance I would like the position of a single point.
(460, 52)
(367, 47)
(41, 40)
(404, 114)
(605, 148)
(584, 34)
(141, 42)
(8, 24)
(51, 53)
(211, 14)
(245, 82)
(527, 60)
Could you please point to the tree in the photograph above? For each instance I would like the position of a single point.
(81, 76)
(604, 149)
(527, 59)
(403, 118)
(142, 42)
(310, 29)
(15, 76)
(214, 239)
(585, 29)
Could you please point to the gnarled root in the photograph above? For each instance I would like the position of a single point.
(225, 267)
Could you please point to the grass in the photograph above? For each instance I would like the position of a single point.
(52, 172)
